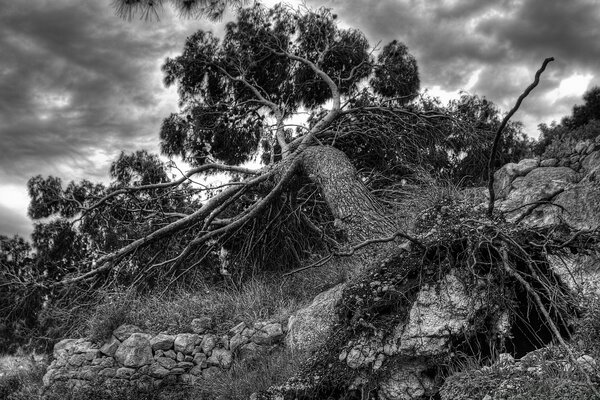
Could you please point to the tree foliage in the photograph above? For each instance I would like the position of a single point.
(557, 139)
(151, 9)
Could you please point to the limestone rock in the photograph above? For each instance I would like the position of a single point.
(123, 332)
(200, 359)
(166, 362)
(407, 383)
(237, 341)
(539, 185)
(162, 341)
(208, 343)
(267, 334)
(238, 329)
(550, 162)
(437, 315)
(310, 326)
(157, 371)
(135, 351)
(504, 177)
(109, 348)
(124, 373)
(221, 358)
(185, 342)
(171, 354)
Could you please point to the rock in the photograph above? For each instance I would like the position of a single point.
(171, 354)
(185, 342)
(309, 328)
(504, 177)
(221, 358)
(162, 342)
(185, 365)
(591, 163)
(109, 348)
(104, 362)
(77, 360)
(201, 325)
(407, 383)
(108, 372)
(180, 357)
(124, 373)
(237, 341)
(505, 359)
(200, 359)
(224, 342)
(550, 162)
(439, 313)
(268, 334)
(587, 363)
(135, 351)
(581, 146)
(539, 185)
(123, 332)
(208, 343)
(157, 371)
(196, 370)
(67, 346)
(166, 362)
(238, 329)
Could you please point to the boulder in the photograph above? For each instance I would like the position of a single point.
(504, 177)
(540, 185)
(135, 351)
(310, 327)
(162, 341)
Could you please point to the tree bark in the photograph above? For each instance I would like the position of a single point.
(356, 211)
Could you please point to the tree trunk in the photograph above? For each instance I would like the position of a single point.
(356, 211)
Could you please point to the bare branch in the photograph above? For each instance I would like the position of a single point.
(185, 177)
(492, 158)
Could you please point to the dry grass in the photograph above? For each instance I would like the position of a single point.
(265, 298)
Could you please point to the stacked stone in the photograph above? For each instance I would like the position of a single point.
(148, 361)
(576, 159)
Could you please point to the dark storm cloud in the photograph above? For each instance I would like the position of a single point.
(506, 40)
(77, 86)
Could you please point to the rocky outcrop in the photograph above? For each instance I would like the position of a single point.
(548, 192)
(309, 328)
(148, 361)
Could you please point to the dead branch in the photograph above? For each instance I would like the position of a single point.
(492, 158)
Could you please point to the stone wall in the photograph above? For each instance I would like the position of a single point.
(148, 361)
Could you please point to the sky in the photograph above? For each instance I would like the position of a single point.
(78, 85)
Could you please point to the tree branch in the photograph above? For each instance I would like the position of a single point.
(492, 158)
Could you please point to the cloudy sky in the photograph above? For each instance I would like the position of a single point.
(78, 85)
